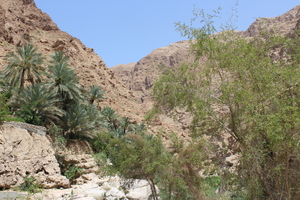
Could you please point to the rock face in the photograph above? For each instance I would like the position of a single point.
(23, 153)
(284, 24)
(138, 77)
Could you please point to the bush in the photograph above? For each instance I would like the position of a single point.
(30, 185)
(72, 171)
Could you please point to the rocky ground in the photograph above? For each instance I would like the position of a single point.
(95, 188)
(26, 152)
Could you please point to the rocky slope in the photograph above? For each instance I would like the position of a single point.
(286, 23)
(22, 22)
(140, 77)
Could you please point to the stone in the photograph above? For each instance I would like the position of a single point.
(140, 189)
(85, 162)
(22, 153)
(115, 193)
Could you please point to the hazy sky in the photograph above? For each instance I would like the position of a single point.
(124, 31)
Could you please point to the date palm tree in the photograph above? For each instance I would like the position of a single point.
(36, 105)
(80, 121)
(63, 80)
(95, 93)
(24, 65)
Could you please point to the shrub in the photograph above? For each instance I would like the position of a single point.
(30, 185)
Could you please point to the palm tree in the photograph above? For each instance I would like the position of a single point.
(80, 121)
(63, 80)
(59, 57)
(109, 118)
(95, 93)
(36, 105)
(24, 65)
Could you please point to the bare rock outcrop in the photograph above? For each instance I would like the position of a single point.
(284, 24)
(139, 77)
(27, 153)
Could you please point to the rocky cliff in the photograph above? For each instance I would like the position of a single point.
(139, 77)
(24, 152)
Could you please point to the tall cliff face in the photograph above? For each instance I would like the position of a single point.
(22, 22)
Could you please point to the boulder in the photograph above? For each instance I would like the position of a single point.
(140, 189)
(22, 153)
(85, 162)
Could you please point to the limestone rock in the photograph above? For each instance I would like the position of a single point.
(140, 189)
(85, 162)
(22, 153)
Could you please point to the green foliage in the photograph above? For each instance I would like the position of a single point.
(180, 178)
(213, 183)
(254, 82)
(80, 121)
(57, 133)
(118, 126)
(95, 93)
(4, 110)
(63, 80)
(24, 65)
(30, 185)
(36, 105)
(137, 156)
(72, 171)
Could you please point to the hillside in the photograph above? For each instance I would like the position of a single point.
(139, 79)
(22, 22)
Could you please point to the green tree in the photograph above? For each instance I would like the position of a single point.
(138, 156)
(4, 110)
(95, 93)
(36, 105)
(24, 65)
(247, 88)
(80, 121)
(109, 119)
(63, 80)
